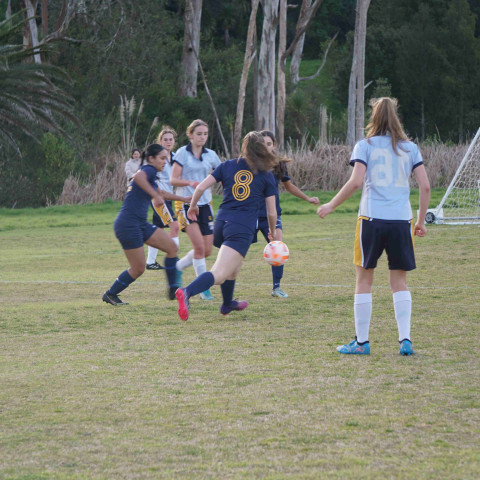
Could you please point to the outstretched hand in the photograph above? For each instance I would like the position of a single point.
(324, 210)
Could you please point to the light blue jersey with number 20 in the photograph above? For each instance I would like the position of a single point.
(386, 189)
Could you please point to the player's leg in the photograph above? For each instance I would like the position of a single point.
(277, 272)
(136, 260)
(174, 231)
(152, 252)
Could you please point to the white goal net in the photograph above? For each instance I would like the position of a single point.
(461, 202)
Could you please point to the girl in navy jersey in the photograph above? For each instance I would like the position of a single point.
(164, 216)
(280, 172)
(133, 230)
(383, 162)
(247, 181)
(192, 164)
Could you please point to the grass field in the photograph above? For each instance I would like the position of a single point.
(89, 391)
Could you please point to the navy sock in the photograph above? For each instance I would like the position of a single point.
(171, 271)
(227, 291)
(277, 274)
(121, 283)
(200, 284)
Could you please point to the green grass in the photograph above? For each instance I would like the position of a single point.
(89, 391)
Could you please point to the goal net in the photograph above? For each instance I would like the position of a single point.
(461, 203)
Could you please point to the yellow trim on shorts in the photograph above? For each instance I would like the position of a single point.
(357, 249)
(183, 221)
(412, 229)
(163, 213)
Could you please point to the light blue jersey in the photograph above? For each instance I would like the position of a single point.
(386, 189)
(163, 177)
(196, 170)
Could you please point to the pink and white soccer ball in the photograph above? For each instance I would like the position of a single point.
(276, 253)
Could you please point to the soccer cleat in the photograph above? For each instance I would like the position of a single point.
(235, 305)
(354, 348)
(112, 299)
(406, 347)
(183, 304)
(178, 277)
(154, 266)
(278, 292)
(171, 293)
(206, 295)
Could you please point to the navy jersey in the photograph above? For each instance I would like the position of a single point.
(136, 203)
(243, 192)
(263, 209)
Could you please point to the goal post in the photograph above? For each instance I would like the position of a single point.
(461, 203)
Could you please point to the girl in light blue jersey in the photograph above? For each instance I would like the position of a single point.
(191, 165)
(384, 161)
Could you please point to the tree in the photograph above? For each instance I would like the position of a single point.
(357, 76)
(187, 86)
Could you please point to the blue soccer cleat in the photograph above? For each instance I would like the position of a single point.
(235, 305)
(278, 292)
(206, 295)
(406, 347)
(178, 277)
(354, 348)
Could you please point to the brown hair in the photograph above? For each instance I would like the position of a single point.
(256, 153)
(166, 129)
(280, 170)
(384, 119)
(196, 123)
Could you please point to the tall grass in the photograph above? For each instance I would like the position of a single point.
(321, 167)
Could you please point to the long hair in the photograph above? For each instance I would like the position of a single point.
(384, 119)
(196, 123)
(256, 153)
(166, 129)
(151, 151)
(280, 170)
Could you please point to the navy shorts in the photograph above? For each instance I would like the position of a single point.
(262, 226)
(373, 236)
(204, 217)
(233, 235)
(164, 215)
(132, 235)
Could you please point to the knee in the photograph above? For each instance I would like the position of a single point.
(398, 286)
(207, 251)
(199, 251)
(172, 251)
(137, 271)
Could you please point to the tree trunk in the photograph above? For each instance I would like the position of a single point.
(30, 31)
(187, 86)
(266, 66)
(298, 50)
(250, 52)
(356, 93)
(281, 91)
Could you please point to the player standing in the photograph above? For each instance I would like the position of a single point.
(384, 160)
(280, 172)
(191, 165)
(247, 182)
(133, 230)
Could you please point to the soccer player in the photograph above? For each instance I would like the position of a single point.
(280, 173)
(164, 216)
(384, 161)
(191, 165)
(133, 230)
(247, 182)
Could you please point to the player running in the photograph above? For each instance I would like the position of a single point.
(192, 164)
(280, 172)
(247, 182)
(384, 161)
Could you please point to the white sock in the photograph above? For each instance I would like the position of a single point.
(176, 241)
(152, 255)
(402, 303)
(185, 261)
(362, 309)
(199, 265)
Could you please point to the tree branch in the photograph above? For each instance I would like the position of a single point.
(317, 73)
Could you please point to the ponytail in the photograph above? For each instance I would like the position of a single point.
(151, 151)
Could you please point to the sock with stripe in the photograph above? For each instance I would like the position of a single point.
(121, 283)
(200, 284)
(362, 309)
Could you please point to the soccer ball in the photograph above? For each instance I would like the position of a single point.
(276, 253)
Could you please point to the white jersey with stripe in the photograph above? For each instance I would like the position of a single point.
(163, 177)
(196, 170)
(386, 188)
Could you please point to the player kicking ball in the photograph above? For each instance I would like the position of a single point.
(383, 161)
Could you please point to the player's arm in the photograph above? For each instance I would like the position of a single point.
(271, 215)
(140, 178)
(351, 186)
(176, 179)
(172, 196)
(424, 191)
(294, 190)
(199, 191)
